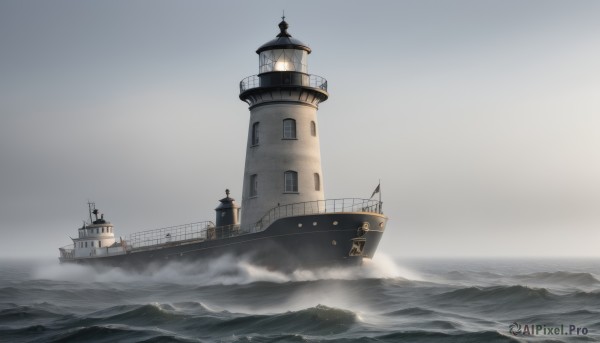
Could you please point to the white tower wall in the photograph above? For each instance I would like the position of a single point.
(274, 155)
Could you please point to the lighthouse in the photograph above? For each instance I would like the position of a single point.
(286, 223)
(283, 156)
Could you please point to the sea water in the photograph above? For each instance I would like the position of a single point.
(227, 300)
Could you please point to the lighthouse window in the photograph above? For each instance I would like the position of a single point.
(291, 181)
(253, 185)
(289, 129)
(255, 134)
(313, 129)
(317, 182)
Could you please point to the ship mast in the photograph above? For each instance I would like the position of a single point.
(91, 207)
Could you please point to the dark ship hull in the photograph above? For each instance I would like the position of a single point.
(306, 241)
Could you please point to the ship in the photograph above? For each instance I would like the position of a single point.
(284, 221)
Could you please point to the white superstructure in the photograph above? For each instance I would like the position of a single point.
(96, 238)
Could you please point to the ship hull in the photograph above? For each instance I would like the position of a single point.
(307, 241)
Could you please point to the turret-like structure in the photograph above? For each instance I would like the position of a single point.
(94, 238)
(283, 156)
(227, 211)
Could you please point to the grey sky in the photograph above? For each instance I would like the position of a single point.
(480, 117)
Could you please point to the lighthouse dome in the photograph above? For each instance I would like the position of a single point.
(283, 54)
(284, 40)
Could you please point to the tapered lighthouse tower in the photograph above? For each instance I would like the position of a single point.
(283, 156)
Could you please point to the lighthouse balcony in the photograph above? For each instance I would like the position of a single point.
(283, 79)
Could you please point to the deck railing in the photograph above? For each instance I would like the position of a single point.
(67, 252)
(316, 207)
(173, 234)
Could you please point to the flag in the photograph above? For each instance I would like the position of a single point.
(375, 191)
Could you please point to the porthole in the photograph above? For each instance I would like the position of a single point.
(314, 223)
(299, 224)
(333, 242)
(335, 223)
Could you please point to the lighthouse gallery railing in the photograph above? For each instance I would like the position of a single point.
(314, 81)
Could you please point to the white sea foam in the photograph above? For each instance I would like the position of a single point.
(225, 270)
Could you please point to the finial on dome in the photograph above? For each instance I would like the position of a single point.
(283, 26)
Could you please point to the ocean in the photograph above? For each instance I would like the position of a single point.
(225, 300)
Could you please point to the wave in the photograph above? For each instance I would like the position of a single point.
(413, 311)
(196, 307)
(577, 316)
(74, 294)
(18, 334)
(95, 333)
(169, 339)
(560, 277)
(444, 325)
(10, 293)
(194, 317)
(104, 333)
(433, 337)
(434, 320)
(467, 275)
(114, 333)
(154, 315)
(245, 303)
(314, 321)
(589, 297)
(26, 313)
(498, 295)
(150, 314)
